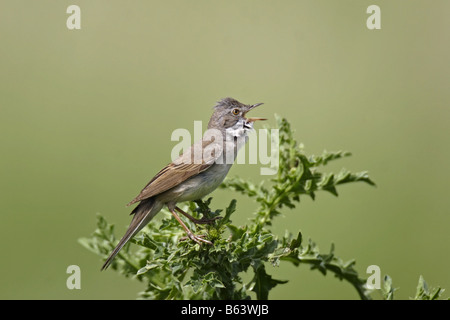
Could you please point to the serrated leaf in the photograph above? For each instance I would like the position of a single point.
(387, 289)
(262, 283)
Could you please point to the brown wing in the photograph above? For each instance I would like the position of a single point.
(178, 171)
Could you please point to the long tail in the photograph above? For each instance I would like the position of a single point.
(143, 213)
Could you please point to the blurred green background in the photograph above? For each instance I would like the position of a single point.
(86, 118)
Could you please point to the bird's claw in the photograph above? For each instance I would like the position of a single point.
(207, 220)
(199, 239)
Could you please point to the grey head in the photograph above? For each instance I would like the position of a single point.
(230, 117)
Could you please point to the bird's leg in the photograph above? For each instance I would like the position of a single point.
(197, 221)
(191, 236)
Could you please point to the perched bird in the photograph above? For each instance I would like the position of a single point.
(195, 173)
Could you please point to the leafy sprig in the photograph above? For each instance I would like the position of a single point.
(174, 269)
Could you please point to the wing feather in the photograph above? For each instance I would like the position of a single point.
(183, 168)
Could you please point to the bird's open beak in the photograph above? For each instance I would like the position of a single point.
(254, 119)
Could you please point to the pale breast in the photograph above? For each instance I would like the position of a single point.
(198, 186)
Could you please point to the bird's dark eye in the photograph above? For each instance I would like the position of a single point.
(235, 112)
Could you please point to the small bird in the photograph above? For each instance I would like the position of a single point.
(195, 173)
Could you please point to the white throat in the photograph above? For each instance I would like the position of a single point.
(239, 130)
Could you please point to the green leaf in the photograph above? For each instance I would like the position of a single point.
(147, 268)
(423, 292)
(387, 290)
(262, 283)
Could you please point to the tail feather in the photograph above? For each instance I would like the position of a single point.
(143, 213)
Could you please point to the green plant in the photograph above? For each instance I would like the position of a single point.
(174, 269)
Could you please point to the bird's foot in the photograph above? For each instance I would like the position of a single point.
(199, 239)
(195, 220)
(206, 220)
